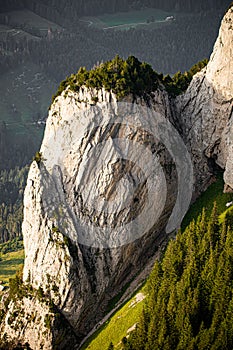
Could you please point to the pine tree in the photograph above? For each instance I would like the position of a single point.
(190, 300)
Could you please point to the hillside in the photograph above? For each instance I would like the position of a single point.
(121, 324)
(189, 303)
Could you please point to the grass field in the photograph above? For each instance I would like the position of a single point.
(9, 264)
(214, 193)
(126, 20)
(119, 325)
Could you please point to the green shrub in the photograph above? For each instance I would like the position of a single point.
(180, 81)
(15, 285)
(55, 288)
(38, 157)
(40, 293)
(95, 99)
(12, 246)
(47, 321)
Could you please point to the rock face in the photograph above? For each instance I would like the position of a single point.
(74, 194)
(85, 277)
(205, 110)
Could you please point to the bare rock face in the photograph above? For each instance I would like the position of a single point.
(206, 109)
(82, 245)
(68, 252)
(69, 223)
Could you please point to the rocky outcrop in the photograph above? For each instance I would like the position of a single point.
(97, 204)
(32, 321)
(68, 253)
(66, 246)
(205, 110)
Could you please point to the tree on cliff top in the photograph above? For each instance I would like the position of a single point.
(130, 76)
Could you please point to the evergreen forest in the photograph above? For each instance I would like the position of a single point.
(189, 302)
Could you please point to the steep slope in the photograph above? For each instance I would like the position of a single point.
(189, 303)
(123, 322)
(59, 196)
(81, 278)
(206, 110)
(112, 181)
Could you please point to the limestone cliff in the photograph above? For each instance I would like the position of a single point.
(81, 244)
(206, 109)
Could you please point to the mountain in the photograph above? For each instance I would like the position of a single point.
(112, 181)
(205, 110)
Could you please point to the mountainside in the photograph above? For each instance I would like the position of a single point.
(112, 181)
(205, 110)
(48, 8)
(128, 322)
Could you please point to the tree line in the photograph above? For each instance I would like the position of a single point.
(167, 49)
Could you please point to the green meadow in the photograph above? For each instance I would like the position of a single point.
(125, 20)
(9, 264)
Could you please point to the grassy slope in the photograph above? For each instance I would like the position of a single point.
(10, 263)
(116, 328)
(222, 215)
(214, 193)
